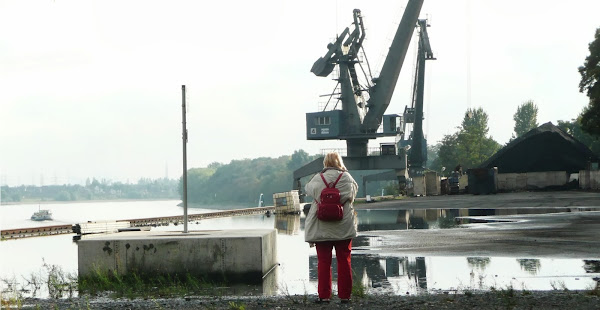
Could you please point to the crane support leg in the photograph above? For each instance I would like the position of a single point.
(357, 147)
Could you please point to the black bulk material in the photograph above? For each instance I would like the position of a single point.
(545, 148)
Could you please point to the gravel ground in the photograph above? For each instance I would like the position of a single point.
(489, 300)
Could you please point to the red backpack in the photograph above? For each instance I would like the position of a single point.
(329, 206)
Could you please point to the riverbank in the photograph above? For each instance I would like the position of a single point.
(49, 202)
(499, 299)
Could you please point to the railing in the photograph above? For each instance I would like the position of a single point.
(152, 221)
(371, 151)
(36, 231)
(193, 217)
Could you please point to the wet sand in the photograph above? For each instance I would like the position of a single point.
(567, 234)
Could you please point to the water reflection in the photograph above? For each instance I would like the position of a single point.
(530, 265)
(414, 274)
(591, 266)
(390, 274)
(370, 220)
(287, 224)
(408, 219)
(478, 262)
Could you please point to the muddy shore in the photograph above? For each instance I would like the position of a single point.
(502, 299)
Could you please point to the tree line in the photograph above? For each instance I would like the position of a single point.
(92, 190)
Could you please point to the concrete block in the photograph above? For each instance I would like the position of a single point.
(419, 186)
(512, 181)
(547, 178)
(432, 183)
(589, 179)
(463, 181)
(287, 202)
(236, 255)
(521, 181)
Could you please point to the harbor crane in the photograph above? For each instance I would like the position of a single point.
(363, 105)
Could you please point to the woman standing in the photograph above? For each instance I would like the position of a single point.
(337, 234)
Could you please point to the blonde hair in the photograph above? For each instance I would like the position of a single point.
(334, 160)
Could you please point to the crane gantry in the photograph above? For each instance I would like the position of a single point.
(361, 116)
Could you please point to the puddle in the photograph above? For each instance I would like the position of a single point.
(413, 275)
(370, 220)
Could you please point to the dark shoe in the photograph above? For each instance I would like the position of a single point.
(322, 301)
(345, 301)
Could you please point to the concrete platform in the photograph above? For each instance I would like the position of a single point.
(233, 255)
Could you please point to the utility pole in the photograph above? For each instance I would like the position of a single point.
(185, 139)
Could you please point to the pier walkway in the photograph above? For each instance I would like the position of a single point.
(140, 222)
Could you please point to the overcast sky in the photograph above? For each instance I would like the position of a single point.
(93, 88)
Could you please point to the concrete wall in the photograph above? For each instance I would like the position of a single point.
(589, 179)
(463, 182)
(240, 255)
(419, 186)
(432, 183)
(531, 180)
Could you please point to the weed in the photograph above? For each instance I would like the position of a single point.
(594, 291)
(10, 297)
(236, 306)
(34, 281)
(358, 289)
(524, 290)
(59, 282)
(286, 293)
(556, 285)
(14, 301)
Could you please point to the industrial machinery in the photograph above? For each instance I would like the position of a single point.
(363, 105)
(414, 114)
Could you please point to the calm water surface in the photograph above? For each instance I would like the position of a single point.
(297, 274)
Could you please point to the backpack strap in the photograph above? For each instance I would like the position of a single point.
(334, 183)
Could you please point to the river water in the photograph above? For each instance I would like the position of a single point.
(297, 273)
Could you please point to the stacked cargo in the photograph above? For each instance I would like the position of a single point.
(287, 202)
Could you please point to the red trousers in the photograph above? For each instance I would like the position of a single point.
(342, 254)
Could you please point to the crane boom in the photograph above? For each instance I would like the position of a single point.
(381, 93)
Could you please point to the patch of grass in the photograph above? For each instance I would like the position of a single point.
(134, 285)
(13, 302)
(358, 289)
(236, 306)
(11, 297)
(508, 296)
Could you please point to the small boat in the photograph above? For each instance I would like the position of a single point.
(42, 215)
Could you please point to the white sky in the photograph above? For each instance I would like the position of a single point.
(93, 88)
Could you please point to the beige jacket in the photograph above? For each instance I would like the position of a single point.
(316, 230)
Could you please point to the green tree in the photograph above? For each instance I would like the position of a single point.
(573, 128)
(299, 159)
(470, 146)
(525, 118)
(474, 145)
(432, 157)
(590, 77)
(447, 154)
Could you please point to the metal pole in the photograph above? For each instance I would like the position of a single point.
(185, 139)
